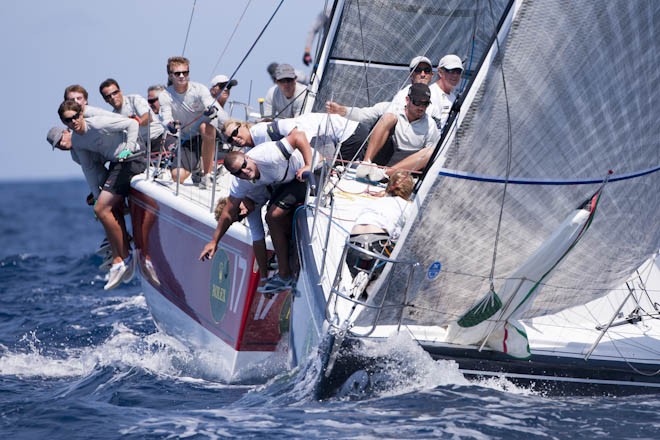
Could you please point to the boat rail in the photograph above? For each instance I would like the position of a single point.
(358, 297)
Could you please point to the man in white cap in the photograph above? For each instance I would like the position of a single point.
(443, 91)
(220, 88)
(285, 99)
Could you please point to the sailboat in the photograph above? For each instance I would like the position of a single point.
(531, 243)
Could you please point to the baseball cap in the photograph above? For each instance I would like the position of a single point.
(419, 93)
(449, 62)
(221, 79)
(419, 59)
(54, 136)
(284, 71)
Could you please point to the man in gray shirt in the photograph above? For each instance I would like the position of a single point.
(285, 99)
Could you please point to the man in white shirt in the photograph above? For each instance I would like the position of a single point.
(282, 166)
(187, 108)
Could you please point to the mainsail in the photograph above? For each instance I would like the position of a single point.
(571, 95)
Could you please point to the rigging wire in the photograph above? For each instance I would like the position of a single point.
(238, 23)
(185, 43)
(366, 77)
(246, 55)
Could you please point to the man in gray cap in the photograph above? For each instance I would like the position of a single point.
(285, 98)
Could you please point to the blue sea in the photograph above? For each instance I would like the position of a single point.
(77, 362)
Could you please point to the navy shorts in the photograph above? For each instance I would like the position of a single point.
(288, 195)
(120, 174)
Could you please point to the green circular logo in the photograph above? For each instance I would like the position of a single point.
(219, 285)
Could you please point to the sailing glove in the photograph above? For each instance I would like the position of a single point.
(173, 126)
(210, 111)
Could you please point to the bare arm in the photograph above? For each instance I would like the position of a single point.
(379, 135)
(299, 141)
(227, 217)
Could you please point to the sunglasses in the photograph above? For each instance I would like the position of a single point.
(230, 138)
(423, 69)
(457, 70)
(222, 86)
(110, 95)
(421, 103)
(181, 73)
(152, 100)
(71, 119)
(286, 80)
(239, 171)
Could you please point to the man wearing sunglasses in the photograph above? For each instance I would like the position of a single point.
(421, 71)
(278, 165)
(97, 140)
(132, 106)
(187, 108)
(401, 133)
(443, 91)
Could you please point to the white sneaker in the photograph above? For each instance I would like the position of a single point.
(115, 275)
(376, 174)
(363, 169)
(206, 182)
(150, 272)
(129, 262)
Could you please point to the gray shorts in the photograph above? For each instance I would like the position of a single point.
(190, 154)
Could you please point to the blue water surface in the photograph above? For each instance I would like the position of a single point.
(77, 362)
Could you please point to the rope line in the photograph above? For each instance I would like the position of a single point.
(185, 42)
(446, 172)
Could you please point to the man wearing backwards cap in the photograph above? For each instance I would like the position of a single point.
(285, 98)
(399, 134)
(420, 72)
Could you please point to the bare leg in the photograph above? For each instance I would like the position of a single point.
(208, 146)
(113, 229)
(180, 173)
(279, 223)
(415, 162)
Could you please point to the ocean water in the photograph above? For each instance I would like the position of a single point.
(77, 362)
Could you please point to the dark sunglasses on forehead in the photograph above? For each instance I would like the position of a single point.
(181, 73)
(230, 138)
(71, 119)
(423, 69)
(239, 171)
(110, 95)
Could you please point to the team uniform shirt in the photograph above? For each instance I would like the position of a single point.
(441, 103)
(387, 213)
(274, 168)
(187, 107)
(136, 105)
(156, 126)
(415, 135)
(260, 196)
(277, 105)
(319, 128)
(97, 111)
(369, 115)
(105, 137)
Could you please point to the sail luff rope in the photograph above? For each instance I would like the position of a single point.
(185, 43)
(509, 151)
(366, 77)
